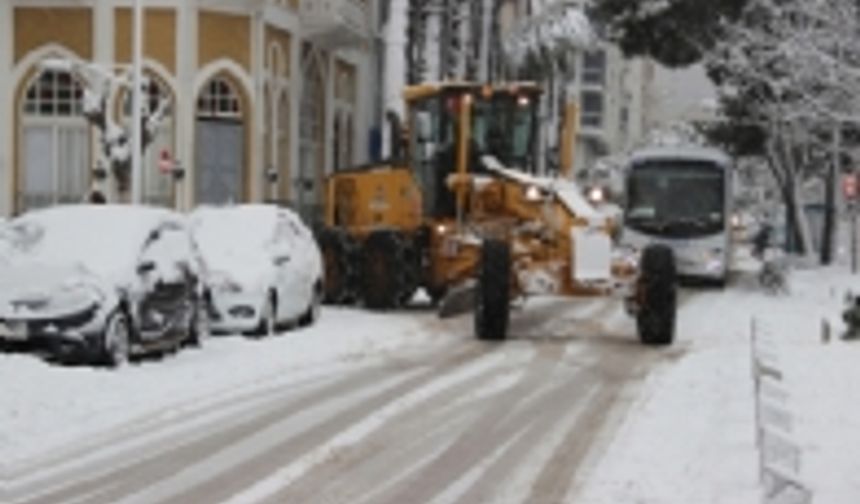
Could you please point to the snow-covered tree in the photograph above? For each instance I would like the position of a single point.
(544, 47)
(792, 69)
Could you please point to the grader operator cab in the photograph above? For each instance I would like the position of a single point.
(461, 212)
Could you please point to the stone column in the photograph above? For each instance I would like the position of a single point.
(7, 107)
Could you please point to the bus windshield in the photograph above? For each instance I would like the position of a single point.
(682, 199)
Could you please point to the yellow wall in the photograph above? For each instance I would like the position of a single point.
(69, 27)
(159, 35)
(224, 36)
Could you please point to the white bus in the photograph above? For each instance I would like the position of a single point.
(682, 198)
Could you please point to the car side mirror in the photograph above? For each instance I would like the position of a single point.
(145, 267)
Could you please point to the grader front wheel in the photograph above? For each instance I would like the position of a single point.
(657, 297)
(492, 303)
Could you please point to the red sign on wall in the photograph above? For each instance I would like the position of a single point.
(165, 162)
(849, 186)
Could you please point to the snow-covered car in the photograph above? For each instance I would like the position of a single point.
(262, 268)
(102, 281)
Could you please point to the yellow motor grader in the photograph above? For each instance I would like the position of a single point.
(461, 212)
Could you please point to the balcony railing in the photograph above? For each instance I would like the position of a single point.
(336, 23)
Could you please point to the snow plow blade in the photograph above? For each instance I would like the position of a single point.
(458, 301)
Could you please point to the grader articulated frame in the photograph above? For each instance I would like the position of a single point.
(461, 213)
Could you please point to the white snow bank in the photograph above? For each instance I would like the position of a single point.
(45, 406)
(104, 239)
(690, 438)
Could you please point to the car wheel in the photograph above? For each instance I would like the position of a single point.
(200, 328)
(116, 340)
(268, 319)
(313, 312)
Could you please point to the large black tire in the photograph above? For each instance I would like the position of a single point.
(381, 273)
(492, 303)
(657, 296)
(341, 268)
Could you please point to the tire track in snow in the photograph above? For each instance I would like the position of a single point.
(348, 432)
(480, 439)
(130, 467)
(161, 459)
(376, 458)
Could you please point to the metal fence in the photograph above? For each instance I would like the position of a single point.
(779, 454)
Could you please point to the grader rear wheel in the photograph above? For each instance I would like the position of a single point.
(388, 273)
(339, 258)
(492, 303)
(657, 296)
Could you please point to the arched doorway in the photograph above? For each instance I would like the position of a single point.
(55, 142)
(311, 140)
(220, 144)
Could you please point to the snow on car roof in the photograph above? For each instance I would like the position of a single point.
(103, 238)
(681, 152)
(235, 225)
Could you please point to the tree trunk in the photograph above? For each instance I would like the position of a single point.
(829, 229)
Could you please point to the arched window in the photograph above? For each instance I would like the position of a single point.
(54, 94)
(55, 142)
(219, 100)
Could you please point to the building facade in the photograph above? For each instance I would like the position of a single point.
(266, 97)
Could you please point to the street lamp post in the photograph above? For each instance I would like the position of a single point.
(136, 103)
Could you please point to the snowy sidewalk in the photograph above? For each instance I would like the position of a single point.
(691, 436)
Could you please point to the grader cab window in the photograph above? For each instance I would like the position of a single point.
(501, 125)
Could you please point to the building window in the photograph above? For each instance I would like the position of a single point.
(55, 142)
(594, 68)
(54, 94)
(219, 100)
(592, 109)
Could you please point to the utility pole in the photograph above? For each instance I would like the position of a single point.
(136, 104)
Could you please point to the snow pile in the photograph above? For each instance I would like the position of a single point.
(690, 438)
(44, 407)
(102, 239)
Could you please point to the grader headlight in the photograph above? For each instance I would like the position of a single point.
(533, 194)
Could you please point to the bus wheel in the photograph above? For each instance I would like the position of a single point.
(657, 296)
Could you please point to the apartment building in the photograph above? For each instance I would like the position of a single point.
(266, 97)
(614, 95)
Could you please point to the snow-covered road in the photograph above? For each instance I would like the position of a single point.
(361, 408)
(403, 407)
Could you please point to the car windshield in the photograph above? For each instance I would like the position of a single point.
(679, 197)
(227, 236)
